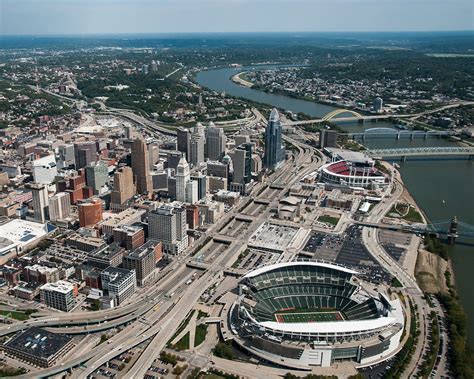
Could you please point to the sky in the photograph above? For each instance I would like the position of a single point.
(41, 17)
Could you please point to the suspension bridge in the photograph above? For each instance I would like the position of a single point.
(450, 229)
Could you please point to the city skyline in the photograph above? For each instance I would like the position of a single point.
(52, 17)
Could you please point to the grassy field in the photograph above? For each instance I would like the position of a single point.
(183, 343)
(200, 336)
(20, 316)
(329, 220)
(325, 316)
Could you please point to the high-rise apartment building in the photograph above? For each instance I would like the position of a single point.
(59, 206)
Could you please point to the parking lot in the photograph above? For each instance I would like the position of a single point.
(346, 249)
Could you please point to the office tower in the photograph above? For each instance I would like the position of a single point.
(256, 163)
(184, 141)
(327, 138)
(141, 260)
(59, 206)
(215, 142)
(45, 170)
(192, 216)
(168, 224)
(85, 153)
(182, 179)
(129, 236)
(242, 162)
(118, 283)
(274, 152)
(128, 130)
(378, 104)
(201, 185)
(59, 295)
(145, 69)
(240, 139)
(192, 192)
(141, 167)
(97, 175)
(218, 169)
(40, 201)
(90, 213)
(153, 155)
(173, 159)
(124, 189)
(197, 145)
(66, 157)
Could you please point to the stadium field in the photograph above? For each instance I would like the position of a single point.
(305, 317)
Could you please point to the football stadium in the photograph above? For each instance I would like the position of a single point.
(303, 314)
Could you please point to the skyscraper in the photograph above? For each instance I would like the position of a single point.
(168, 225)
(215, 142)
(197, 145)
(141, 167)
(183, 141)
(182, 179)
(59, 206)
(274, 151)
(40, 201)
(124, 188)
(153, 154)
(97, 174)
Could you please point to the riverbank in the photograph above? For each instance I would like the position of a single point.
(237, 78)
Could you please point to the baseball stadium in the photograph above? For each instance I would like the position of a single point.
(302, 314)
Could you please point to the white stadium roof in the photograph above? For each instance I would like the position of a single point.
(269, 268)
(335, 327)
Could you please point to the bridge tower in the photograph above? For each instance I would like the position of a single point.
(453, 231)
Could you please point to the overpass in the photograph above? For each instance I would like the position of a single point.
(422, 152)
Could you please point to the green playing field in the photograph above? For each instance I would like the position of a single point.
(302, 317)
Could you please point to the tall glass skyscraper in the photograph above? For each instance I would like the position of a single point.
(274, 151)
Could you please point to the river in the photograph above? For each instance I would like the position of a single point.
(442, 188)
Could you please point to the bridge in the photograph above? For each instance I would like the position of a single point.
(354, 116)
(373, 133)
(422, 152)
(451, 229)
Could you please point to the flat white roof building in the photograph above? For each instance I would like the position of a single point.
(19, 235)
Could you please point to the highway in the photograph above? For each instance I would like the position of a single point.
(163, 329)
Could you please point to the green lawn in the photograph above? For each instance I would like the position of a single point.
(329, 220)
(200, 336)
(20, 316)
(183, 343)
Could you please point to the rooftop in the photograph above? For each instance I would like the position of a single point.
(60, 286)
(38, 342)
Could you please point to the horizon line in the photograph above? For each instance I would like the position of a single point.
(233, 32)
